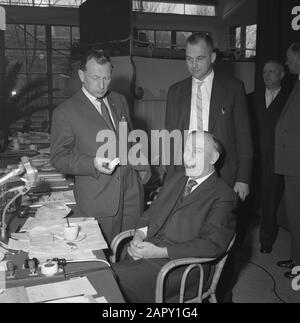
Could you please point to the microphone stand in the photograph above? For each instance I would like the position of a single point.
(29, 179)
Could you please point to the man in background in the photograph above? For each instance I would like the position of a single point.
(268, 105)
(287, 159)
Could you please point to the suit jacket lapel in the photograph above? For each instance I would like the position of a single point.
(216, 102)
(185, 105)
(295, 90)
(176, 188)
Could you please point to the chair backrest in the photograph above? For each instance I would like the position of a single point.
(190, 264)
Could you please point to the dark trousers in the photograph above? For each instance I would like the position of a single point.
(272, 190)
(292, 192)
(137, 280)
(131, 204)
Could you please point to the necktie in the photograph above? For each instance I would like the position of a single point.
(188, 188)
(270, 97)
(105, 114)
(199, 105)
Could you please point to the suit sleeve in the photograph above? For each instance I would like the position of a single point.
(243, 136)
(214, 237)
(64, 156)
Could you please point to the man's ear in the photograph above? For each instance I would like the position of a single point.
(215, 157)
(282, 75)
(213, 57)
(81, 75)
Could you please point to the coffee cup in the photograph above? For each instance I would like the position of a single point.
(71, 231)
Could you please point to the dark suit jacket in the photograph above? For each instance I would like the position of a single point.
(228, 121)
(75, 126)
(287, 138)
(202, 225)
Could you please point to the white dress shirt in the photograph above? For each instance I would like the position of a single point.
(206, 90)
(270, 96)
(97, 104)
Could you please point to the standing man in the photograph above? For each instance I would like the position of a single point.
(269, 105)
(212, 102)
(287, 158)
(112, 195)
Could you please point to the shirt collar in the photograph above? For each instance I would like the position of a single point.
(273, 91)
(208, 80)
(202, 179)
(92, 98)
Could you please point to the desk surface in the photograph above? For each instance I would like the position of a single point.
(99, 274)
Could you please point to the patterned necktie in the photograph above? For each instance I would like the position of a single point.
(199, 105)
(188, 188)
(105, 114)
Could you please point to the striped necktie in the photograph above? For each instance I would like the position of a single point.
(199, 106)
(188, 188)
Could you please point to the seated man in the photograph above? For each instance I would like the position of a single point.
(192, 217)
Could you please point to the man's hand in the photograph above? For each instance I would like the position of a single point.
(102, 164)
(138, 238)
(242, 189)
(147, 250)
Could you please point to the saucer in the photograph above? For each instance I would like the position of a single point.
(81, 236)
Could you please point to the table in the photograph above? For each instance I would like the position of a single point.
(99, 274)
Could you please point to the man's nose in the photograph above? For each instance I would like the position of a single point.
(101, 84)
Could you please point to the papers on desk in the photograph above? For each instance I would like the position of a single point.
(56, 291)
(45, 239)
(64, 197)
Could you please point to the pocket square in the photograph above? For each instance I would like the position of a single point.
(223, 109)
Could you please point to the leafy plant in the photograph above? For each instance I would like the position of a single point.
(25, 102)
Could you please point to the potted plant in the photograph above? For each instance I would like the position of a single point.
(15, 105)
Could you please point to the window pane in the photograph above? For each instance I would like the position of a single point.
(59, 82)
(163, 39)
(162, 7)
(21, 2)
(198, 10)
(60, 61)
(181, 37)
(238, 32)
(136, 5)
(66, 3)
(75, 34)
(35, 36)
(146, 36)
(251, 40)
(15, 56)
(61, 37)
(14, 36)
(41, 3)
(36, 61)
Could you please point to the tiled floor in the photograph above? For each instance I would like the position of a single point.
(259, 279)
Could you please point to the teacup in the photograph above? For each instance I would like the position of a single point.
(71, 232)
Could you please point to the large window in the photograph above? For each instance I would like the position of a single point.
(251, 32)
(43, 3)
(173, 8)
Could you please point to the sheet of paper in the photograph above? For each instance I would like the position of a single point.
(18, 245)
(79, 255)
(101, 300)
(76, 299)
(73, 287)
(14, 295)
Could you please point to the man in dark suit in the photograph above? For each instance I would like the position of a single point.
(268, 105)
(191, 217)
(113, 195)
(214, 103)
(287, 158)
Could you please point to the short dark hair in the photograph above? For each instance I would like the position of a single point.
(295, 47)
(195, 38)
(97, 54)
(275, 62)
